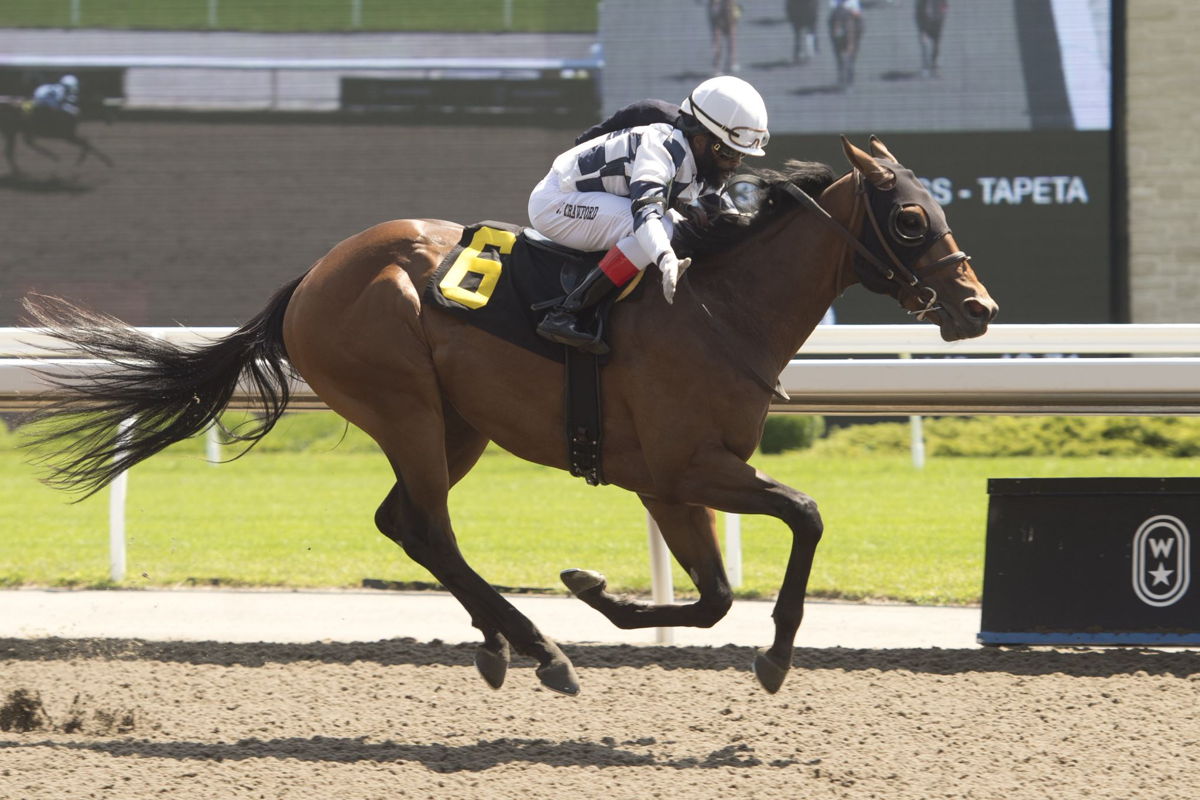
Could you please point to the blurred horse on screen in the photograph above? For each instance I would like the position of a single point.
(21, 120)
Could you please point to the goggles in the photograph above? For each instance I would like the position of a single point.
(727, 153)
(742, 135)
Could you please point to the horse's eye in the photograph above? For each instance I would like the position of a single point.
(909, 224)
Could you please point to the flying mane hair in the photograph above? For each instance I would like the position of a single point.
(812, 177)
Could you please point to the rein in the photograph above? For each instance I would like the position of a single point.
(723, 341)
(897, 272)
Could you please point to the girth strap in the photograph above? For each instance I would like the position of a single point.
(582, 411)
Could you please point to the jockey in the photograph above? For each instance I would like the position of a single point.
(62, 96)
(614, 192)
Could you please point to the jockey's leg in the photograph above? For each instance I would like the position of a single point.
(588, 221)
(618, 267)
(561, 324)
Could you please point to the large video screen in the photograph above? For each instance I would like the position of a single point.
(1004, 107)
(229, 166)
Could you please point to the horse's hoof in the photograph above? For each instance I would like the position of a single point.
(582, 580)
(492, 665)
(769, 671)
(559, 676)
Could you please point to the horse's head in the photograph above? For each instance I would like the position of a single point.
(908, 251)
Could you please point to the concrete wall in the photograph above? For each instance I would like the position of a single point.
(1163, 114)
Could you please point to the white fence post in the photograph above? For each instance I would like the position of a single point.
(76, 13)
(662, 590)
(212, 443)
(916, 435)
(733, 549)
(355, 13)
(118, 490)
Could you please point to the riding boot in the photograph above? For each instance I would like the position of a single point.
(560, 323)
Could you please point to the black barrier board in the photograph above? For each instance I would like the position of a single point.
(553, 92)
(1091, 561)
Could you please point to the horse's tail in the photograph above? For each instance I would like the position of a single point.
(153, 394)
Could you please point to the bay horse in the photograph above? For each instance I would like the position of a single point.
(845, 33)
(21, 120)
(686, 390)
(802, 14)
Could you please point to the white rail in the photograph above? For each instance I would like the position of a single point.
(1159, 374)
(482, 65)
(1146, 369)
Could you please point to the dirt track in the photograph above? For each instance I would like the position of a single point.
(405, 719)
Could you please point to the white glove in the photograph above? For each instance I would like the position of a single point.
(672, 270)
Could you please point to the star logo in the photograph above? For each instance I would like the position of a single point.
(1161, 575)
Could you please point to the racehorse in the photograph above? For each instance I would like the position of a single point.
(802, 14)
(29, 123)
(686, 389)
(845, 33)
(930, 16)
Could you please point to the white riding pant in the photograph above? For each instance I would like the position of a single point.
(589, 221)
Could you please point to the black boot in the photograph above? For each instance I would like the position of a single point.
(560, 324)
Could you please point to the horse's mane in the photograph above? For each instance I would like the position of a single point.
(696, 240)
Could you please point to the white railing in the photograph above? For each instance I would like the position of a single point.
(311, 84)
(1121, 369)
(479, 66)
(1103, 369)
(213, 14)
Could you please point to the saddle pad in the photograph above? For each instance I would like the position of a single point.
(494, 276)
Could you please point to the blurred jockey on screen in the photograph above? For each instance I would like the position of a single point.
(62, 96)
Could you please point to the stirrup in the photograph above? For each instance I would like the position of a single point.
(572, 337)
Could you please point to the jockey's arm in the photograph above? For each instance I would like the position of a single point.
(654, 169)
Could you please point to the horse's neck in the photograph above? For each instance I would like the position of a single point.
(777, 286)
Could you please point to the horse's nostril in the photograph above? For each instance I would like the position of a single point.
(978, 310)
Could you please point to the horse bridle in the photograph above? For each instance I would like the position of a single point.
(902, 274)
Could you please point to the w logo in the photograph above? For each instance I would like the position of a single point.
(1161, 560)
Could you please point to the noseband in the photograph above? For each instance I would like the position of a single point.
(902, 271)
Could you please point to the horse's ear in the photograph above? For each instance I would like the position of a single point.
(877, 174)
(879, 149)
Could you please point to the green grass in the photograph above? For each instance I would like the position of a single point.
(535, 16)
(305, 520)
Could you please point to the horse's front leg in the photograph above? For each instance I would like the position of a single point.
(87, 148)
(727, 482)
(690, 533)
(33, 145)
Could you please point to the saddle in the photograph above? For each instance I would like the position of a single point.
(503, 278)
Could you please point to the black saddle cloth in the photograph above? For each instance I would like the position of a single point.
(500, 280)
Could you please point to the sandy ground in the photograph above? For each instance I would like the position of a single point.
(398, 718)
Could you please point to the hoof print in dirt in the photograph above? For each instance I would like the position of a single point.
(23, 711)
(84, 717)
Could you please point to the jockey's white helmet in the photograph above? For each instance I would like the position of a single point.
(69, 81)
(733, 111)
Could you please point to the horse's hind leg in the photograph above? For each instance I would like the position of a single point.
(690, 533)
(464, 446)
(416, 517)
(10, 152)
(427, 538)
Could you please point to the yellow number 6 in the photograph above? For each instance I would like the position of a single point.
(470, 260)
